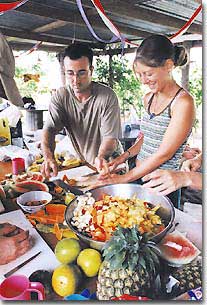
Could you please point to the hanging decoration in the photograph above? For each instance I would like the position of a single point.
(4, 7)
(110, 24)
(186, 25)
(118, 36)
(34, 48)
(80, 6)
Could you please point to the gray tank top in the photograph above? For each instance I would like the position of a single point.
(154, 127)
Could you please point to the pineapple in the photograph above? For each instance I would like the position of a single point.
(189, 277)
(130, 265)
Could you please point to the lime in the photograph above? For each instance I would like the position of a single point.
(89, 260)
(69, 197)
(67, 250)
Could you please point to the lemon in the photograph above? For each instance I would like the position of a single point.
(65, 279)
(90, 261)
(69, 197)
(67, 250)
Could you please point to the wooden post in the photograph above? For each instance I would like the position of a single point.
(111, 76)
(62, 70)
(185, 70)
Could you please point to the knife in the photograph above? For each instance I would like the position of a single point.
(67, 187)
(21, 265)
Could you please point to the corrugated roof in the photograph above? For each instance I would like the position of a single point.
(58, 22)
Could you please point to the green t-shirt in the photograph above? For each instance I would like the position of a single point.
(90, 121)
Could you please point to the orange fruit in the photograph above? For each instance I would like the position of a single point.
(67, 250)
(65, 279)
(90, 261)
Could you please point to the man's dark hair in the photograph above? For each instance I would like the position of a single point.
(77, 50)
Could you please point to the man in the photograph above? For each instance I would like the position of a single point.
(8, 87)
(88, 110)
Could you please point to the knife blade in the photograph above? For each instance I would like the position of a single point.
(21, 265)
(67, 187)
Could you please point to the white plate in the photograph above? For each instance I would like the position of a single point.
(45, 260)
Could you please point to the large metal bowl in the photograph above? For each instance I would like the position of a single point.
(166, 210)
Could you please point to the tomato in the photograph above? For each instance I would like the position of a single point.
(128, 297)
(99, 234)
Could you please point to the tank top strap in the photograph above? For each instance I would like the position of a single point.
(169, 106)
(149, 103)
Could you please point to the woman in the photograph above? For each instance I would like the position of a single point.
(169, 112)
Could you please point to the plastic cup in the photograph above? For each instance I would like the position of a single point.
(18, 166)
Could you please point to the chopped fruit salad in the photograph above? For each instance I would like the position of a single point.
(98, 219)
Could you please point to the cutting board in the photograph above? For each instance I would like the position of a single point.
(45, 260)
(78, 174)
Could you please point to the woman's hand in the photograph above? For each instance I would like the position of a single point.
(118, 160)
(165, 181)
(110, 179)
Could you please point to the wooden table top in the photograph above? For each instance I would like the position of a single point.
(51, 240)
(5, 168)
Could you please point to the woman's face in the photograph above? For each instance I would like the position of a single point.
(154, 77)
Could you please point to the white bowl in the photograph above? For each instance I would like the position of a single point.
(33, 196)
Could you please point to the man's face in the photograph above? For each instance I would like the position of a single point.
(78, 72)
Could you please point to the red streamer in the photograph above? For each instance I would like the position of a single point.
(34, 48)
(188, 23)
(4, 7)
(98, 5)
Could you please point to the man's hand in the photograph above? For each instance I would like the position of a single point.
(191, 165)
(49, 168)
(102, 166)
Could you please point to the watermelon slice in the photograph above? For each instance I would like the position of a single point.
(2, 192)
(30, 185)
(37, 177)
(176, 249)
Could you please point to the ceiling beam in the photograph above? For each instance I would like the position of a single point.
(122, 9)
(43, 10)
(50, 26)
(45, 37)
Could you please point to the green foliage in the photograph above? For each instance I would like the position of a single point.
(126, 86)
(195, 87)
(30, 88)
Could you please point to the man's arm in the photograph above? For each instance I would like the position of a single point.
(107, 147)
(48, 148)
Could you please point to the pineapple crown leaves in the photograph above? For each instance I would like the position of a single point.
(129, 249)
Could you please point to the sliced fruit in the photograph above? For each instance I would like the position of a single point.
(30, 185)
(69, 197)
(67, 250)
(37, 176)
(176, 249)
(65, 279)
